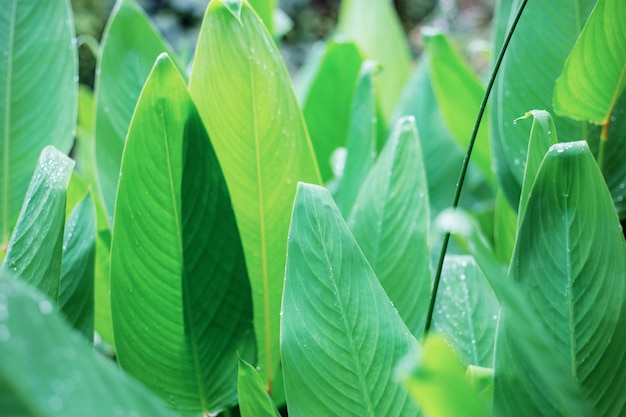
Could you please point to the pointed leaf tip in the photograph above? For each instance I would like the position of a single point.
(234, 7)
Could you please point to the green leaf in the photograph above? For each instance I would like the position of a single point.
(131, 42)
(181, 303)
(340, 335)
(35, 247)
(481, 380)
(459, 93)
(542, 136)
(76, 292)
(504, 228)
(265, 9)
(466, 310)
(390, 221)
(526, 82)
(48, 370)
(246, 101)
(362, 138)
(442, 155)
(254, 401)
(594, 74)
(38, 94)
(613, 168)
(327, 104)
(376, 29)
(435, 379)
(570, 258)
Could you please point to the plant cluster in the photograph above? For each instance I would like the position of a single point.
(240, 243)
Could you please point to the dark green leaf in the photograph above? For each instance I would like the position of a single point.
(180, 295)
(340, 335)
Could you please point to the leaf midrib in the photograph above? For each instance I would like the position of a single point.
(7, 128)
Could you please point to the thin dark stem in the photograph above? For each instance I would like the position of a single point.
(468, 154)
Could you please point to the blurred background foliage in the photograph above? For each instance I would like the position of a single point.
(468, 22)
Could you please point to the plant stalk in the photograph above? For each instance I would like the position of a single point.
(468, 154)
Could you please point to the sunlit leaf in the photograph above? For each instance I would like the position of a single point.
(180, 295)
(243, 93)
(594, 75)
(340, 335)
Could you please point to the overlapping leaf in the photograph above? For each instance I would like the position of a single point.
(340, 335)
(376, 29)
(594, 74)
(466, 310)
(328, 100)
(533, 61)
(130, 45)
(35, 247)
(390, 221)
(246, 101)
(570, 259)
(254, 401)
(38, 94)
(179, 289)
(48, 370)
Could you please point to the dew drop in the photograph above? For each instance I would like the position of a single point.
(45, 307)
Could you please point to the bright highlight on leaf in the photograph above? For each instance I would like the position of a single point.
(180, 294)
(340, 334)
(435, 379)
(243, 93)
(594, 75)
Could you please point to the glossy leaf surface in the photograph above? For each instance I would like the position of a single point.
(180, 295)
(340, 335)
(594, 74)
(467, 310)
(130, 45)
(327, 105)
(526, 82)
(254, 401)
(376, 29)
(246, 101)
(390, 221)
(570, 261)
(48, 370)
(436, 381)
(35, 247)
(362, 138)
(76, 292)
(38, 94)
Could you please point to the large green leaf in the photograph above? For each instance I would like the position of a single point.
(435, 379)
(376, 29)
(76, 292)
(38, 94)
(130, 45)
(594, 75)
(48, 370)
(390, 221)
(326, 107)
(362, 138)
(246, 101)
(340, 335)
(533, 61)
(36, 245)
(254, 401)
(442, 155)
(459, 93)
(466, 310)
(570, 258)
(180, 295)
